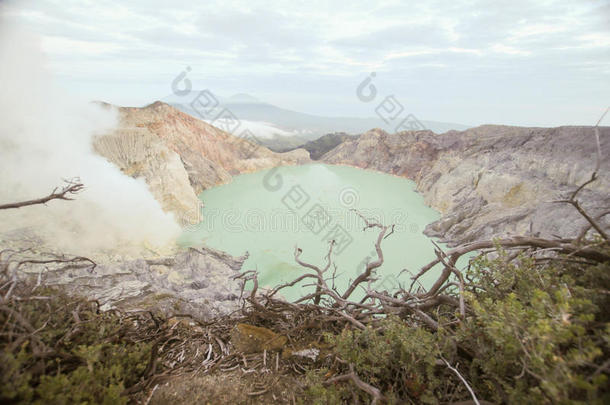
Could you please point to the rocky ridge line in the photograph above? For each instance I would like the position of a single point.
(491, 180)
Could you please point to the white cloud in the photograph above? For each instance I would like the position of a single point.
(281, 47)
(537, 30)
(509, 50)
(595, 40)
(259, 129)
(66, 46)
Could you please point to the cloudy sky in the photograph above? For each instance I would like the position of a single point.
(514, 62)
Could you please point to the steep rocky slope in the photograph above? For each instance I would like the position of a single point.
(491, 180)
(180, 156)
(141, 154)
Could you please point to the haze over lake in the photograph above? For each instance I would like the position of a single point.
(270, 212)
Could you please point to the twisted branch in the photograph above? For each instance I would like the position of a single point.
(72, 187)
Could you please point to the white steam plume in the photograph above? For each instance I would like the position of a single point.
(46, 137)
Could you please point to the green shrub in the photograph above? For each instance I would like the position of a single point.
(398, 359)
(75, 354)
(538, 332)
(534, 333)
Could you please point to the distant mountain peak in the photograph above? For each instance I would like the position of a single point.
(243, 98)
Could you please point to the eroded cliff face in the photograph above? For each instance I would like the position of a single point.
(491, 180)
(180, 156)
(141, 154)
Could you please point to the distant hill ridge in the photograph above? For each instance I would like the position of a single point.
(307, 126)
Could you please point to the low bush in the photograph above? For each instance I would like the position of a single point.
(61, 350)
(534, 332)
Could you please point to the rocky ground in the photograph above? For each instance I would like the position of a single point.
(200, 282)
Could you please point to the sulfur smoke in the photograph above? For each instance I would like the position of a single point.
(46, 136)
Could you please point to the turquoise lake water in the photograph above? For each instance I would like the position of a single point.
(270, 212)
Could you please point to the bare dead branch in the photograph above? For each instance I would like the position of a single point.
(561, 245)
(72, 187)
(593, 223)
(396, 302)
(353, 377)
(73, 260)
(572, 200)
(586, 229)
(366, 274)
(472, 394)
(442, 257)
